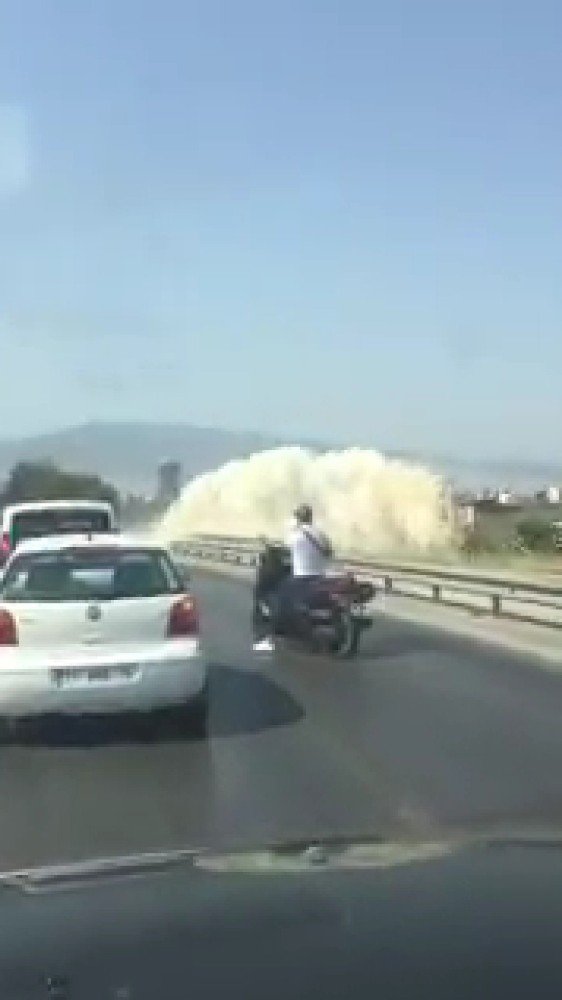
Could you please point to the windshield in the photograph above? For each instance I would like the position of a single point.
(88, 576)
(281, 286)
(35, 524)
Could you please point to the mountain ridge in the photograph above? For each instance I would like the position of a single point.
(129, 452)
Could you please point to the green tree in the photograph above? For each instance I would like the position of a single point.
(30, 481)
(536, 534)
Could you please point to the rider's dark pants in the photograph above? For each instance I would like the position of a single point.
(282, 601)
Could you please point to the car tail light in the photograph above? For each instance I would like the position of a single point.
(8, 631)
(184, 618)
(5, 545)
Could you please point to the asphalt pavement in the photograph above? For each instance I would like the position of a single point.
(423, 735)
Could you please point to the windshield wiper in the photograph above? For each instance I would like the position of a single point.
(337, 853)
(55, 877)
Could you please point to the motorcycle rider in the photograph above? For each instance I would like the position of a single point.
(311, 551)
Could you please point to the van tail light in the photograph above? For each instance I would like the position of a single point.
(5, 545)
(184, 619)
(8, 631)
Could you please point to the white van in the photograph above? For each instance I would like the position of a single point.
(53, 517)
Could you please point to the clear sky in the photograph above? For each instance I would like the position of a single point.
(339, 219)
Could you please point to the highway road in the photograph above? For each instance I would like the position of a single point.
(423, 734)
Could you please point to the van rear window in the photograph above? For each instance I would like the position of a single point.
(36, 524)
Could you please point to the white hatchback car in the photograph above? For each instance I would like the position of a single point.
(98, 624)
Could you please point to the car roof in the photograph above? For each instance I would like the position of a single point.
(38, 505)
(58, 543)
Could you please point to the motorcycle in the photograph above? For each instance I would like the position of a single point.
(332, 617)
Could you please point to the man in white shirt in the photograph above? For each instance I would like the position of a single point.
(310, 549)
(311, 552)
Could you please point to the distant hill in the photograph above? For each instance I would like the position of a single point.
(128, 454)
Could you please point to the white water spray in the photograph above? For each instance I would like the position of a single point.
(367, 503)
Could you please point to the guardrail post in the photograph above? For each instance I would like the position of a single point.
(388, 584)
(496, 604)
(436, 592)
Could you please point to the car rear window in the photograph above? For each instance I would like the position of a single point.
(36, 524)
(87, 575)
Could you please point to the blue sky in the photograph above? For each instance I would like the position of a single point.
(337, 219)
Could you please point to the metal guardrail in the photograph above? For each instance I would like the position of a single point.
(481, 594)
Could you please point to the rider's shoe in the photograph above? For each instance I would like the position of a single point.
(266, 645)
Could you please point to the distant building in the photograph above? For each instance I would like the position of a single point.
(169, 482)
(504, 496)
(465, 497)
(551, 494)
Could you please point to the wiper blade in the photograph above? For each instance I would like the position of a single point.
(50, 878)
(343, 853)
(325, 854)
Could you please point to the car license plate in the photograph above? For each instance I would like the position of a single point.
(70, 678)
